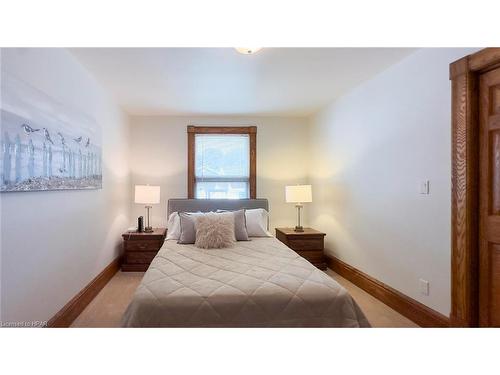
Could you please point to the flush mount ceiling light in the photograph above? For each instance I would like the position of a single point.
(248, 50)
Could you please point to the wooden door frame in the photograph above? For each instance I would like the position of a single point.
(464, 76)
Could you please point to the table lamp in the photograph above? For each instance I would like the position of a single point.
(147, 195)
(298, 194)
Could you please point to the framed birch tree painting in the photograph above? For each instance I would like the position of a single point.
(45, 144)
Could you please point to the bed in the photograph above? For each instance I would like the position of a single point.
(257, 283)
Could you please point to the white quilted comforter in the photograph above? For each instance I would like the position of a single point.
(259, 283)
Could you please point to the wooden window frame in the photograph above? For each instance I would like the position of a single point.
(252, 133)
(464, 76)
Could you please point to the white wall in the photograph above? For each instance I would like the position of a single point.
(370, 149)
(54, 243)
(159, 157)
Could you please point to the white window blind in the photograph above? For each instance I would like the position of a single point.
(222, 166)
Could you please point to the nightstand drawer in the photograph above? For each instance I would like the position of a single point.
(306, 243)
(143, 245)
(140, 248)
(312, 256)
(140, 257)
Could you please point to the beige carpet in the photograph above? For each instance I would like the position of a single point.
(378, 313)
(107, 308)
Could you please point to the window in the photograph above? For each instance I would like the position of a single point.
(221, 162)
(222, 166)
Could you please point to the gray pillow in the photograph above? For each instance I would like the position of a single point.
(188, 230)
(240, 224)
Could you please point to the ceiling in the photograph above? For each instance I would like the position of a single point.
(220, 81)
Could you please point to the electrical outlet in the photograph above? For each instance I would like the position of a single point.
(424, 287)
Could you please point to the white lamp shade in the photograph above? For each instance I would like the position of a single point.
(147, 194)
(298, 194)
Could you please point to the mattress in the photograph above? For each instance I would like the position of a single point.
(257, 283)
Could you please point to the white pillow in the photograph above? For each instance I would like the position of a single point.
(257, 220)
(174, 226)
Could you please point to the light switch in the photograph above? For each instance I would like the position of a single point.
(424, 187)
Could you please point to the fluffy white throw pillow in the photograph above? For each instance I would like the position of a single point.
(214, 231)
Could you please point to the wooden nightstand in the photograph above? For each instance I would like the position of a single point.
(309, 244)
(139, 249)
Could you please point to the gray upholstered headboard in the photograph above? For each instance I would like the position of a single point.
(205, 205)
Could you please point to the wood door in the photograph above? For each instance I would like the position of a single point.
(489, 199)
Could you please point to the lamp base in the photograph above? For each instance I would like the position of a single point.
(298, 227)
(148, 228)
